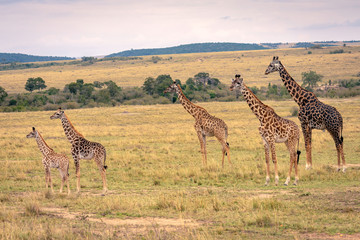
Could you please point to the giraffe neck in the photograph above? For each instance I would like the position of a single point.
(256, 106)
(191, 108)
(44, 148)
(69, 129)
(295, 90)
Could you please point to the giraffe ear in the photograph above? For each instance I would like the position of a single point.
(274, 58)
(277, 58)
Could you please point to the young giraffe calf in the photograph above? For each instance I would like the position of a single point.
(52, 159)
(273, 129)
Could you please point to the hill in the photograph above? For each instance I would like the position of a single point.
(18, 57)
(190, 48)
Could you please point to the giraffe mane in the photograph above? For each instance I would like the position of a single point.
(73, 126)
(248, 89)
(188, 99)
(42, 139)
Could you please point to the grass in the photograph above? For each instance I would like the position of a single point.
(155, 171)
(221, 65)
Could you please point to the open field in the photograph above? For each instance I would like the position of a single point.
(158, 188)
(222, 65)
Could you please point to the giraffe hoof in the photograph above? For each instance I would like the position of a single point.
(286, 184)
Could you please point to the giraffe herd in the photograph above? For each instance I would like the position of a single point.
(313, 114)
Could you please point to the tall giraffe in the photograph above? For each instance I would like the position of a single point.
(52, 159)
(205, 124)
(82, 148)
(313, 114)
(273, 129)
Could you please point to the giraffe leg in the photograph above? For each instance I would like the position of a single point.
(274, 159)
(307, 136)
(62, 179)
(225, 150)
(49, 177)
(267, 160)
(202, 141)
(342, 156)
(340, 151)
(99, 161)
(291, 147)
(77, 169)
(67, 178)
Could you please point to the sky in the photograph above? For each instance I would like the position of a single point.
(77, 28)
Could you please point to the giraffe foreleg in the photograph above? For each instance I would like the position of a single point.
(274, 159)
(48, 173)
(77, 170)
(267, 160)
(202, 140)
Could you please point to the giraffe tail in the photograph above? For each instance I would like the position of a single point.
(298, 152)
(105, 167)
(341, 137)
(228, 146)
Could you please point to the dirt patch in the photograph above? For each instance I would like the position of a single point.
(170, 224)
(349, 165)
(322, 236)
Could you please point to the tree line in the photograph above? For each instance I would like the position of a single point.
(199, 88)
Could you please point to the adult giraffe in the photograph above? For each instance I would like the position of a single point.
(82, 148)
(273, 129)
(313, 114)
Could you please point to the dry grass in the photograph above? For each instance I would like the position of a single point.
(155, 171)
(222, 65)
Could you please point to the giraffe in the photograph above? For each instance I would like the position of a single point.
(273, 129)
(313, 114)
(206, 125)
(52, 159)
(82, 148)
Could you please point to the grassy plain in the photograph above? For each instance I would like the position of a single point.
(158, 188)
(221, 65)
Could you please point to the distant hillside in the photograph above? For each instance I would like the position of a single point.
(18, 57)
(190, 48)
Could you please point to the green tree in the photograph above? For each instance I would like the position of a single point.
(161, 83)
(113, 88)
(34, 84)
(3, 94)
(149, 86)
(310, 79)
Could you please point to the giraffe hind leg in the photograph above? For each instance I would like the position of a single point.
(99, 162)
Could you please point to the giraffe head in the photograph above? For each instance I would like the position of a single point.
(273, 66)
(172, 88)
(237, 82)
(58, 114)
(32, 134)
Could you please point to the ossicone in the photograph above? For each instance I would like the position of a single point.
(33, 128)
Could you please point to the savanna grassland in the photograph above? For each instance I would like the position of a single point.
(158, 188)
(221, 65)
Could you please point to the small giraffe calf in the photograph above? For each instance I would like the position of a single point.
(52, 159)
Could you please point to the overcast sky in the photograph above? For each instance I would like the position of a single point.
(77, 28)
